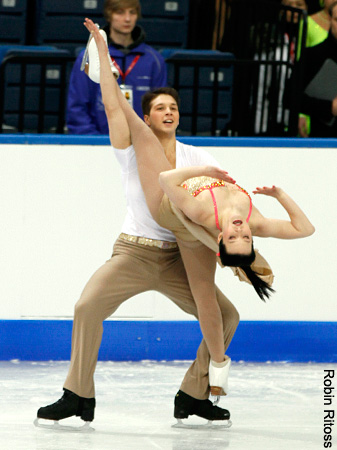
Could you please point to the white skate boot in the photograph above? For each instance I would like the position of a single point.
(218, 377)
(90, 61)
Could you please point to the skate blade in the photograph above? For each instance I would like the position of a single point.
(210, 425)
(55, 425)
(85, 55)
(86, 52)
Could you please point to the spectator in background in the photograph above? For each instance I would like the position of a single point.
(271, 114)
(299, 4)
(320, 102)
(319, 24)
(141, 69)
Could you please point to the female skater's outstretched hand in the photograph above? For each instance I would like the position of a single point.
(270, 191)
(92, 28)
(216, 172)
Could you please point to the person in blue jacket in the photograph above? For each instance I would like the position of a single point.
(141, 69)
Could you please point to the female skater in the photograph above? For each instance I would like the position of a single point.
(219, 209)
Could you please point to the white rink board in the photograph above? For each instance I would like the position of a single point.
(62, 208)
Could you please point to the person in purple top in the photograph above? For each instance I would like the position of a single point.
(141, 69)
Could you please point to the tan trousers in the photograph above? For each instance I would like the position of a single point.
(132, 269)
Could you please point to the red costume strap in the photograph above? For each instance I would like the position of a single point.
(215, 209)
(250, 202)
(216, 206)
(209, 187)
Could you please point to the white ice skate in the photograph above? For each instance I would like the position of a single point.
(56, 426)
(90, 61)
(218, 377)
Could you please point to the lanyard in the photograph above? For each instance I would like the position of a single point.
(128, 70)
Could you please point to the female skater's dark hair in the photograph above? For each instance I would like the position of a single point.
(244, 261)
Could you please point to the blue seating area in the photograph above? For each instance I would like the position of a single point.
(165, 22)
(60, 23)
(13, 14)
(47, 22)
(33, 86)
(204, 80)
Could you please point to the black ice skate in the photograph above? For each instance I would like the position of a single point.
(185, 406)
(69, 405)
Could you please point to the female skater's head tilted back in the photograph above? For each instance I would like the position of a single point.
(236, 236)
(235, 241)
(244, 261)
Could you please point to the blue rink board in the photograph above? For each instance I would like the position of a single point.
(255, 341)
(60, 139)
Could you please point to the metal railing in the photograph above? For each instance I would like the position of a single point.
(265, 40)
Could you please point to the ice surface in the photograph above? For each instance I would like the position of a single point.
(273, 406)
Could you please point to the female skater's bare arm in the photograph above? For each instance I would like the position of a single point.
(118, 127)
(171, 181)
(298, 226)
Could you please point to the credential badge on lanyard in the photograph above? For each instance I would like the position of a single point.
(128, 93)
(127, 89)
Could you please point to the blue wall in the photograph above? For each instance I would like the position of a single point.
(59, 139)
(42, 340)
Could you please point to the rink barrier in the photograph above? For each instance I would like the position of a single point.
(254, 341)
(260, 341)
(59, 139)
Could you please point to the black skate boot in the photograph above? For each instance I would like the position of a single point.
(185, 405)
(68, 405)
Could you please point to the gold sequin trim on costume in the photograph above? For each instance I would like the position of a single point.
(199, 184)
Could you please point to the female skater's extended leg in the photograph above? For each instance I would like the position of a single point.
(200, 265)
(151, 159)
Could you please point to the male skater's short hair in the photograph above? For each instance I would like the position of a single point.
(148, 98)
